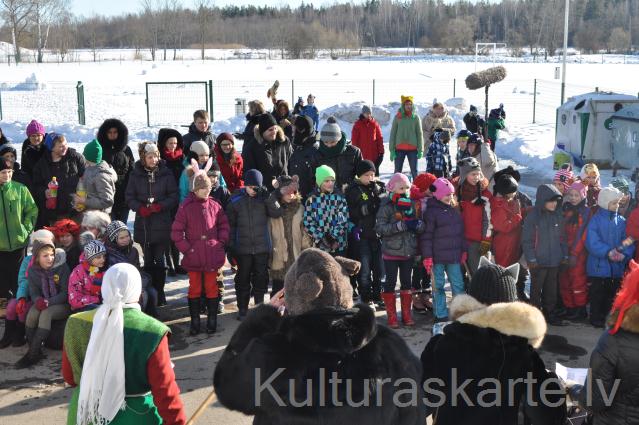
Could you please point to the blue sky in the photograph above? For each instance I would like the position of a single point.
(118, 7)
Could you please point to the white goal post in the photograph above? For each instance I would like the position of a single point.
(480, 47)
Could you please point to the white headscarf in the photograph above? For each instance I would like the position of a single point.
(102, 389)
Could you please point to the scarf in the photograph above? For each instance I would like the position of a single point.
(571, 212)
(175, 155)
(50, 281)
(102, 386)
(96, 274)
(470, 193)
(404, 208)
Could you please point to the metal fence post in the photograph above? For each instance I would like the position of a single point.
(535, 101)
(81, 111)
(1, 105)
(454, 87)
(211, 100)
(373, 92)
(146, 101)
(293, 92)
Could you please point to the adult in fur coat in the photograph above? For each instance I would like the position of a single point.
(492, 337)
(321, 333)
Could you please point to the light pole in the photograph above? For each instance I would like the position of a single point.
(563, 72)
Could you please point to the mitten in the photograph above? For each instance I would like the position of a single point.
(21, 306)
(484, 247)
(42, 304)
(392, 155)
(414, 225)
(428, 265)
(145, 211)
(615, 256)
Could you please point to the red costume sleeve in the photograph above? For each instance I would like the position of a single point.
(166, 393)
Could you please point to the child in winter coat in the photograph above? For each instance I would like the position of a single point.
(573, 281)
(563, 178)
(230, 161)
(66, 233)
(478, 149)
(218, 192)
(623, 185)
(608, 254)
(506, 218)
(462, 151)
(364, 197)
(398, 225)
(326, 214)
(545, 250)
(201, 232)
(99, 181)
(442, 245)
(592, 179)
(474, 201)
(496, 121)
(48, 289)
(86, 279)
(250, 245)
(200, 154)
(286, 232)
(438, 160)
(310, 110)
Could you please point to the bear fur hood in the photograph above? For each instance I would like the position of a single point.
(513, 319)
(630, 321)
(281, 137)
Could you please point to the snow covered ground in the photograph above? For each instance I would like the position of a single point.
(117, 89)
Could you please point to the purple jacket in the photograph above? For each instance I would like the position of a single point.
(200, 232)
(443, 240)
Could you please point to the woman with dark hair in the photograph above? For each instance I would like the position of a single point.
(230, 161)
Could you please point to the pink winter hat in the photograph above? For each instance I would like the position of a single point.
(396, 179)
(442, 188)
(580, 188)
(35, 127)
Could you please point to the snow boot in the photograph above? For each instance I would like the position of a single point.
(427, 300)
(406, 299)
(211, 318)
(18, 335)
(418, 305)
(194, 311)
(243, 299)
(391, 309)
(34, 354)
(9, 332)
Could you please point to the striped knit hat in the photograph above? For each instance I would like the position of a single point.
(114, 228)
(93, 249)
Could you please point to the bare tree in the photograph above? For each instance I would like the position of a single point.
(16, 13)
(151, 23)
(44, 13)
(204, 16)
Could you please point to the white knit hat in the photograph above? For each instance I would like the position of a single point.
(200, 148)
(607, 195)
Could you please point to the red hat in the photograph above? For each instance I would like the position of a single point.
(64, 226)
(627, 296)
(424, 180)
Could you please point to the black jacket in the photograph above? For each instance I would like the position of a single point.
(194, 135)
(221, 195)
(248, 218)
(474, 124)
(363, 204)
(302, 162)
(343, 162)
(119, 156)
(30, 156)
(159, 185)
(270, 158)
(348, 343)
(486, 342)
(175, 165)
(615, 357)
(20, 176)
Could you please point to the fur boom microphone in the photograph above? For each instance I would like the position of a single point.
(485, 78)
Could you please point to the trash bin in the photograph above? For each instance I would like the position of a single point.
(240, 106)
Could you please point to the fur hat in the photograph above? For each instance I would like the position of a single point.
(42, 234)
(441, 188)
(506, 185)
(492, 284)
(253, 178)
(607, 195)
(96, 219)
(114, 228)
(331, 131)
(396, 179)
(509, 171)
(198, 178)
(200, 148)
(423, 181)
(148, 148)
(93, 249)
(318, 280)
(35, 127)
(287, 184)
(63, 227)
(201, 181)
(364, 166)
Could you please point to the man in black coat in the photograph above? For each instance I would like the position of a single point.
(474, 122)
(324, 350)
(113, 136)
(200, 129)
(305, 156)
(338, 153)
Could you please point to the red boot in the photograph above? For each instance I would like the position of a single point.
(406, 299)
(391, 309)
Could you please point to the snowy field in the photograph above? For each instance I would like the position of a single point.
(47, 93)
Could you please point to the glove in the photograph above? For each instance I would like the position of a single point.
(420, 155)
(364, 210)
(392, 155)
(484, 247)
(464, 257)
(414, 225)
(357, 233)
(145, 211)
(155, 208)
(261, 191)
(42, 304)
(428, 265)
(615, 256)
(401, 226)
(21, 306)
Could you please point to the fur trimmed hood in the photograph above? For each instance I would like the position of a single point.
(281, 137)
(123, 134)
(630, 321)
(514, 319)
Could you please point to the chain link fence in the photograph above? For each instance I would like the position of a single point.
(18, 100)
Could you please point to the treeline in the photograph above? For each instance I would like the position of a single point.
(164, 26)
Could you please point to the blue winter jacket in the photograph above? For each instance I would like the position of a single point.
(606, 231)
(312, 112)
(23, 281)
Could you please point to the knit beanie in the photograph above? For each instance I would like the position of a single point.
(287, 184)
(467, 165)
(93, 151)
(148, 148)
(396, 179)
(39, 242)
(564, 176)
(580, 188)
(114, 228)
(366, 110)
(476, 139)
(363, 167)
(225, 137)
(492, 284)
(63, 227)
(322, 173)
(201, 181)
(506, 185)
(253, 178)
(622, 184)
(42, 235)
(200, 148)
(331, 131)
(303, 124)
(607, 195)
(423, 181)
(441, 188)
(50, 139)
(93, 249)
(473, 108)
(8, 148)
(35, 127)
(265, 121)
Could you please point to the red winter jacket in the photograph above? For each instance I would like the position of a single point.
(506, 219)
(573, 280)
(200, 232)
(632, 228)
(367, 136)
(477, 224)
(232, 173)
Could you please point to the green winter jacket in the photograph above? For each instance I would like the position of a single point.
(495, 124)
(18, 213)
(406, 130)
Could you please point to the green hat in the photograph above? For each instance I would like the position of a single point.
(93, 152)
(322, 173)
(622, 184)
